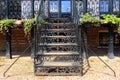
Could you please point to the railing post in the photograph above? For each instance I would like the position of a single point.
(111, 35)
(111, 44)
(32, 43)
(8, 44)
(85, 49)
(33, 8)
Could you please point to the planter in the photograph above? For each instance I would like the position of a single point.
(107, 25)
(90, 24)
(19, 23)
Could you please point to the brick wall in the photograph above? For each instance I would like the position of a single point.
(93, 35)
(19, 41)
(2, 41)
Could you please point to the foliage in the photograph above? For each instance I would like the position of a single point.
(88, 18)
(6, 23)
(105, 19)
(44, 22)
(28, 25)
(109, 18)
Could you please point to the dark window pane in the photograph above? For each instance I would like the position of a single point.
(104, 5)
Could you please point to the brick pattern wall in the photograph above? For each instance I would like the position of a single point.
(93, 35)
(19, 41)
(2, 41)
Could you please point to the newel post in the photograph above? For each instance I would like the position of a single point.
(8, 44)
(111, 42)
(85, 40)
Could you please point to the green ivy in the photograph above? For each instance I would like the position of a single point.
(109, 18)
(6, 23)
(105, 19)
(28, 25)
(88, 18)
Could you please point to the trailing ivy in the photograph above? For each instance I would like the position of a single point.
(28, 25)
(6, 23)
(111, 18)
(105, 19)
(88, 18)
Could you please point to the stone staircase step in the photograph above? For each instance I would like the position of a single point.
(48, 64)
(58, 53)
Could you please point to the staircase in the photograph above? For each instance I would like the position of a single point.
(58, 49)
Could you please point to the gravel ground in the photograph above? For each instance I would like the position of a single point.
(23, 70)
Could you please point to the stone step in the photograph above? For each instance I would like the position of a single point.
(48, 64)
(58, 53)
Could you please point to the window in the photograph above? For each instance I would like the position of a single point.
(54, 6)
(3, 7)
(66, 6)
(14, 9)
(104, 38)
(104, 6)
(116, 6)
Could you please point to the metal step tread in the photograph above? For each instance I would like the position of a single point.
(58, 44)
(58, 36)
(59, 19)
(58, 53)
(57, 29)
(68, 23)
(48, 64)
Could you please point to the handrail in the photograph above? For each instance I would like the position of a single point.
(102, 61)
(38, 23)
(4, 74)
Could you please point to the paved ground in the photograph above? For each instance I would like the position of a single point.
(23, 70)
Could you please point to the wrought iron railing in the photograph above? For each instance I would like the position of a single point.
(39, 19)
(76, 12)
(76, 18)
